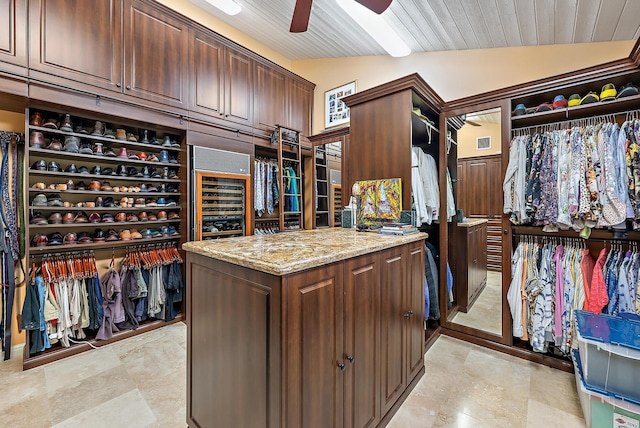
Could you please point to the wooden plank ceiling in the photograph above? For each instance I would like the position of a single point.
(437, 25)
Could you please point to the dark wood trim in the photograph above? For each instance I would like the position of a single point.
(332, 134)
(57, 353)
(556, 363)
(595, 233)
(13, 85)
(413, 82)
(494, 156)
(635, 53)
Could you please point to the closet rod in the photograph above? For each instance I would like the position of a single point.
(573, 122)
(89, 251)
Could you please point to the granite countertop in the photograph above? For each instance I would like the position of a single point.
(288, 252)
(473, 222)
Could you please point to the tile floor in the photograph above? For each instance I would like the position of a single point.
(140, 382)
(486, 312)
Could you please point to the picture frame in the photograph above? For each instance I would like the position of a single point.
(336, 112)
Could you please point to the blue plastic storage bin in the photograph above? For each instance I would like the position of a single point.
(610, 353)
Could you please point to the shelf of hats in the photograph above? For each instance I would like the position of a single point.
(101, 195)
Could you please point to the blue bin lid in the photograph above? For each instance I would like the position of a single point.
(608, 329)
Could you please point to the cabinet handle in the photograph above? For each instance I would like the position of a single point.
(341, 366)
(350, 358)
(408, 314)
(119, 84)
(128, 86)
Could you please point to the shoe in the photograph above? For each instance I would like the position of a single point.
(85, 148)
(155, 141)
(109, 202)
(175, 144)
(35, 119)
(50, 123)
(54, 218)
(40, 186)
(152, 158)
(95, 185)
(108, 133)
(574, 100)
(121, 217)
(106, 187)
(96, 170)
(54, 238)
(147, 233)
(81, 186)
(121, 170)
(80, 130)
(70, 185)
(544, 107)
(84, 238)
(68, 218)
(132, 218)
(133, 172)
(98, 129)
(145, 171)
(172, 230)
(89, 204)
(155, 233)
(108, 152)
(66, 125)
(94, 218)
(145, 136)
(152, 188)
(164, 156)
(107, 171)
(133, 156)
(135, 234)
(628, 90)
(124, 202)
(97, 149)
(54, 200)
(590, 98)
(162, 215)
(154, 174)
(608, 92)
(131, 137)
(55, 144)
(38, 219)
(140, 203)
(123, 189)
(125, 235)
(121, 134)
(112, 235)
(166, 142)
(36, 140)
(164, 231)
(83, 170)
(70, 238)
(39, 240)
(143, 216)
(40, 165)
(161, 203)
(71, 144)
(54, 167)
(173, 215)
(107, 218)
(99, 236)
(81, 218)
(99, 202)
(71, 168)
(142, 156)
(151, 203)
(171, 203)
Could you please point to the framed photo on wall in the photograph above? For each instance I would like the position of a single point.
(335, 111)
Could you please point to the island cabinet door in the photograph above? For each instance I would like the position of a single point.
(361, 341)
(414, 317)
(314, 364)
(392, 323)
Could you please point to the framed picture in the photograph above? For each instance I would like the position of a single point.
(335, 111)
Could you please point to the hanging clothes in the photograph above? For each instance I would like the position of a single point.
(424, 186)
(266, 193)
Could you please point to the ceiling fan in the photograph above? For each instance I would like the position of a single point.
(302, 11)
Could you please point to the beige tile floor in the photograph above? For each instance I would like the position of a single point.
(140, 382)
(486, 312)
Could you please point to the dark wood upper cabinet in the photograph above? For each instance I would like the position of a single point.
(269, 98)
(300, 106)
(13, 36)
(207, 78)
(155, 55)
(238, 99)
(77, 40)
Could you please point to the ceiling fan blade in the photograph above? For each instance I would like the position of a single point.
(378, 6)
(301, 13)
(472, 123)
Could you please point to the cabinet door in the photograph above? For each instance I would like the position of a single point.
(393, 303)
(77, 40)
(482, 254)
(155, 47)
(300, 100)
(415, 308)
(269, 97)
(361, 341)
(477, 183)
(13, 38)
(238, 88)
(207, 78)
(314, 362)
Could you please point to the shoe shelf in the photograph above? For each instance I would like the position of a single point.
(154, 232)
(89, 177)
(99, 245)
(206, 235)
(97, 159)
(110, 141)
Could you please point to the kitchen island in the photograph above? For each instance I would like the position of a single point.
(313, 328)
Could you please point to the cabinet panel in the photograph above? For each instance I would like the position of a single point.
(239, 88)
(269, 97)
(60, 43)
(415, 306)
(207, 80)
(300, 100)
(13, 48)
(392, 307)
(477, 184)
(361, 295)
(314, 343)
(226, 366)
(156, 49)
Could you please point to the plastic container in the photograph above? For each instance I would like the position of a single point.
(600, 407)
(610, 353)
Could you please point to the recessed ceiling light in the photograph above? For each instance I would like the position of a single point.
(376, 27)
(229, 7)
